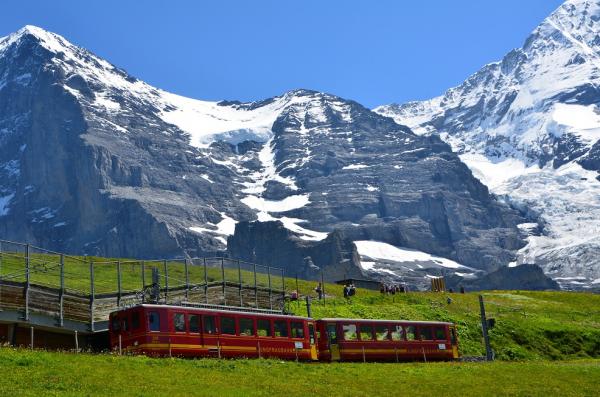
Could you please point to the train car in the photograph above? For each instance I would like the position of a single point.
(162, 330)
(386, 340)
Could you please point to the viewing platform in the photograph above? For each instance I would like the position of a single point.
(61, 294)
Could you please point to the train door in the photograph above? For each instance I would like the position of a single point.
(125, 331)
(332, 341)
(313, 340)
(210, 335)
(115, 330)
(454, 342)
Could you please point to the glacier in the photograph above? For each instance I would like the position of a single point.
(528, 127)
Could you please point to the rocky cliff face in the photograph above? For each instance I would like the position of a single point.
(95, 161)
(524, 277)
(333, 258)
(528, 128)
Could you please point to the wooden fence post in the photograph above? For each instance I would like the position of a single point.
(223, 277)
(270, 289)
(489, 356)
(205, 281)
(143, 281)
(92, 295)
(255, 288)
(283, 287)
(323, 286)
(187, 280)
(119, 286)
(27, 282)
(240, 281)
(166, 267)
(61, 294)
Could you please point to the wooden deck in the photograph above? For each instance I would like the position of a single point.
(53, 308)
(60, 293)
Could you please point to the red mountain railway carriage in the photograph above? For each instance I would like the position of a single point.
(386, 340)
(162, 330)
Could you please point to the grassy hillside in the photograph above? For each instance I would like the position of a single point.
(42, 373)
(529, 325)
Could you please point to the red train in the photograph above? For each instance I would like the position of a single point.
(161, 330)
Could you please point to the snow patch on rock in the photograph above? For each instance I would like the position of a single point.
(4, 203)
(388, 252)
(287, 204)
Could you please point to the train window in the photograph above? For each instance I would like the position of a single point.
(397, 332)
(440, 333)
(297, 329)
(264, 327)
(194, 323)
(154, 321)
(411, 333)
(366, 332)
(135, 320)
(426, 333)
(349, 331)
(125, 324)
(281, 329)
(179, 322)
(116, 324)
(311, 333)
(210, 325)
(382, 332)
(246, 327)
(228, 325)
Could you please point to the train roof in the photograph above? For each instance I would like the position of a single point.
(217, 310)
(387, 321)
(242, 312)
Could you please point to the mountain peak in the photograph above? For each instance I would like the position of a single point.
(51, 41)
(33, 30)
(576, 22)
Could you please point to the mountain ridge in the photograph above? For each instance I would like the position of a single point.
(528, 128)
(98, 162)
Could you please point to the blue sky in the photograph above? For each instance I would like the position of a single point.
(375, 52)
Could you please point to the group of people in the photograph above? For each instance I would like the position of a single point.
(392, 289)
(349, 290)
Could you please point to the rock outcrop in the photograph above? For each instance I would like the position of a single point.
(524, 277)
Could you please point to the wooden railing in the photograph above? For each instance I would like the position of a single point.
(56, 290)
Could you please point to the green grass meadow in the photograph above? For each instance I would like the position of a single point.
(42, 373)
(546, 343)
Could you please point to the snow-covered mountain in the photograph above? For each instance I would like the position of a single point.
(528, 126)
(93, 160)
